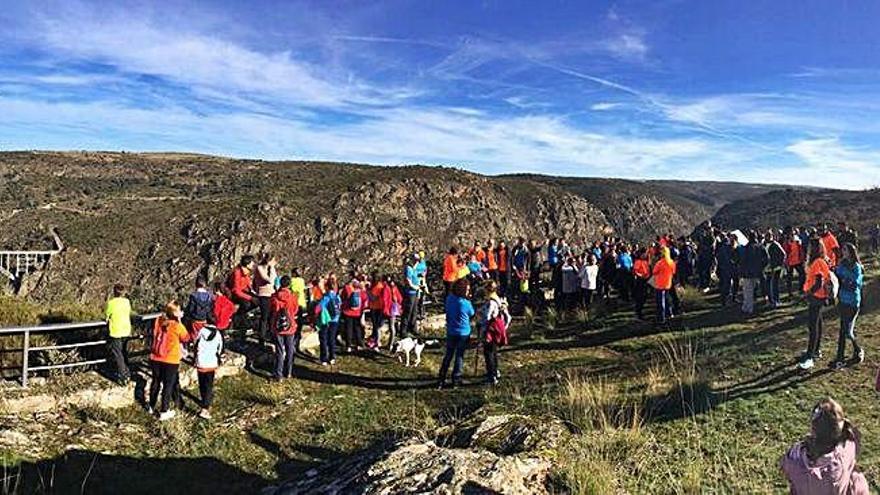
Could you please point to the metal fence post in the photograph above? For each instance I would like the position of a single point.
(24, 357)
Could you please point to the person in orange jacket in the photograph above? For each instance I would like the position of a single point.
(662, 273)
(165, 353)
(641, 272)
(450, 268)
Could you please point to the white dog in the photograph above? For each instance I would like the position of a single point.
(411, 345)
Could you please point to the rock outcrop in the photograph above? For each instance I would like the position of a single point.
(508, 454)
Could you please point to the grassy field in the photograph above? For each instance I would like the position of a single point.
(706, 406)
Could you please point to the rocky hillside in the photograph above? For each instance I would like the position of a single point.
(156, 221)
(800, 207)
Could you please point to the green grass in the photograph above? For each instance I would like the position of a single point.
(707, 406)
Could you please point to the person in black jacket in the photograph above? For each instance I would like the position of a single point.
(776, 265)
(754, 260)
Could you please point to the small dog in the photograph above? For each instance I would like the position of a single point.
(411, 345)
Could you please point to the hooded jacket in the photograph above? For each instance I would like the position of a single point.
(283, 299)
(831, 474)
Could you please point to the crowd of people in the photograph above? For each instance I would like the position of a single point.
(816, 264)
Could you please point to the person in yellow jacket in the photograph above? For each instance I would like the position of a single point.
(118, 317)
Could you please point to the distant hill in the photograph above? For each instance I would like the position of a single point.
(155, 221)
(803, 207)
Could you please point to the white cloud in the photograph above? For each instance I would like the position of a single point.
(603, 106)
(142, 45)
(433, 136)
(627, 46)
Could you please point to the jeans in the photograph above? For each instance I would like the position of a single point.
(789, 277)
(118, 348)
(285, 350)
(814, 323)
(503, 283)
(354, 331)
(327, 339)
(848, 315)
(378, 320)
(206, 388)
(410, 311)
(164, 376)
(640, 295)
(490, 352)
(663, 307)
(264, 317)
(725, 286)
(773, 279)
(748, 287)
(455, 347)
(587, 297)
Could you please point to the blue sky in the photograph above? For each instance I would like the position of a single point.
(782, 91)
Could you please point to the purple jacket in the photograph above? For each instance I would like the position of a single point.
(831, 474)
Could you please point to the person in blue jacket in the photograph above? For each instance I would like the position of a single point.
(459, 312)
(329, 310)
(850, 274)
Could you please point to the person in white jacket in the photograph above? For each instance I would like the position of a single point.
(208, 348)
(589, 276)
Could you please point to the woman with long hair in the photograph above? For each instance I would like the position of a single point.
(168, 335)
(850, 274)
(816, 291)
(825, 461)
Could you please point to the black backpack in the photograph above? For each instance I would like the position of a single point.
(282, 321)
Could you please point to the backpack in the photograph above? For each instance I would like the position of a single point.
(832, 287)
(354, 299)
(333, 309)
(282, 321)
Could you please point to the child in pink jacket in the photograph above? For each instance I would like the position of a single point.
(824, 463)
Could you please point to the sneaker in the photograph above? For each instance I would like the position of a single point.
(441, 385)
(205, 414)
(497, 374)
(332, 361)
(859, 357)
(806, 364)
(150, 411)
(325, 363)
(165, 416)
(838, 365)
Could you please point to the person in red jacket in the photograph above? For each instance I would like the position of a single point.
(392, 307)
(283, 308)
(241, 286)
(168, 335)
(354, 302)
(224, 308)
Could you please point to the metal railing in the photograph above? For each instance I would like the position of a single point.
(26, 348)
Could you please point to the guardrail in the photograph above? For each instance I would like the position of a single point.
(26, 349)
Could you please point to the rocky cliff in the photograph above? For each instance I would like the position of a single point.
(156, 221)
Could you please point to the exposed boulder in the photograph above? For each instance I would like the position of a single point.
(509, 454)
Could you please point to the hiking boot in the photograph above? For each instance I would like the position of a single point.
(165, 416)
(806, 364)
(837, 365)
